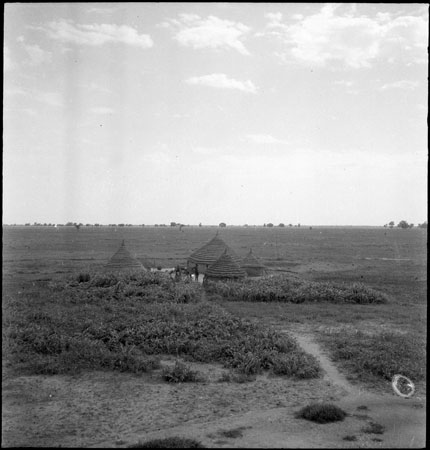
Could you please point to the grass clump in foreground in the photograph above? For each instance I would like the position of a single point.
(180, 373)
(322, 413)
(350, 438)
(171, 442)
(373, 428)
(282, 288)
(231, 377)
(98, 325)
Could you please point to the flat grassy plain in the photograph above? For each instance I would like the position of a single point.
(393, 261)
(368, 342)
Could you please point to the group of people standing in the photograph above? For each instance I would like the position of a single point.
(181, 272)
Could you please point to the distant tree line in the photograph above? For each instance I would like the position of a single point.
(281, 225)
(78, 225)
(404, 224)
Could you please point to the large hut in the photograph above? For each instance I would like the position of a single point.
(210, 253)
(123, 260)
(253, 266)
(224, 268)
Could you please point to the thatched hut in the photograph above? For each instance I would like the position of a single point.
(224, 268)
(253, 265)
(123, 260)
(210, 253)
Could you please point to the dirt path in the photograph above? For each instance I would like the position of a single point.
(331, 373)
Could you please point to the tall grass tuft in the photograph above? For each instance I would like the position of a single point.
(180, 373)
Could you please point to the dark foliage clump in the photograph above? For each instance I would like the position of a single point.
(373, 428)
(180, 373)
(171, 442)
(322, 413)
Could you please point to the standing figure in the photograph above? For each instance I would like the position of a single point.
(196, 272)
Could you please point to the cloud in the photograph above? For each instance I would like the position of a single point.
(101, 10)
(38, 55)
(95, 87)
(102, 110)
(14, 91)
(355, 41)
(274, 18)
(97, 34)
(206, 151)
(46, 97)
(402, 84)
(264, 139)
(158, 157)
(49, 98)
(29, 111)
(220, 80)
(212, 32)
(346, 83)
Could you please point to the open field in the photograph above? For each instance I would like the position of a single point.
(38, 260)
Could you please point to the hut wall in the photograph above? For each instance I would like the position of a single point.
(200, 267)
(255, 271)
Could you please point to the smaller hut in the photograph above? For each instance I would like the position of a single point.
(224, 268)
(123, 260)
(253, 266)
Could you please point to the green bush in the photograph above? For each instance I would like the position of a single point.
(180, 373)
(281, 288)
(83, 278)
(373, 428)
(322, 413)
(350, 438)
(291, 364)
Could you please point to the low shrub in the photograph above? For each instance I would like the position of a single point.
(171, 442)
(83, 278)
(350, 438)
(149, 287)
(282, 288)
(300, 366)
(322, 413)
(373, 428)
(180, 373)
(234, 433)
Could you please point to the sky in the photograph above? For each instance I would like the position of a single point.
(243, 113)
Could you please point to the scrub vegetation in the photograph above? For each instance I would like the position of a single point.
(283, 288)
(127, 321)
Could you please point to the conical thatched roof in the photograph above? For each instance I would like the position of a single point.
(122, 259)
(225, 267)
(251, 260)
(212, 251)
